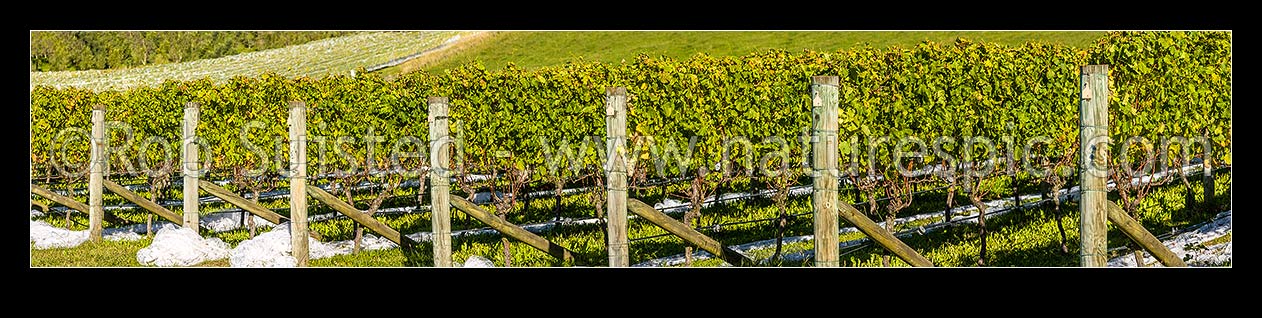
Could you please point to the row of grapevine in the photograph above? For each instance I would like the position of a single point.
(1161, 83)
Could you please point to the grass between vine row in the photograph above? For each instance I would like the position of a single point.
(1024, 237)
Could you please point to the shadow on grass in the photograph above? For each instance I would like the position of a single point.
(1008, 245)
(417, 254)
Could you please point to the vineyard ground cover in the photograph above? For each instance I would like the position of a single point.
(417, 224)
(1207, 245)
(736, 213)
(374, 255)
(174, 245)
(105, 253)
(798, 247)
(90, 254)
(1022, 237)
(664, 244)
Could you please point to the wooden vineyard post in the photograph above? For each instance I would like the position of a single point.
(96, 215)
(824, 98)
(298, 181)
(616, 176)
(1094, 138)
(439, 180)
(190, 165)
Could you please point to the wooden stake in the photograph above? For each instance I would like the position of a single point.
(191, 168)
(1094, 139)
(824, 99)
(616, 176)
(439, 181)
(298, 181)
(96, 214)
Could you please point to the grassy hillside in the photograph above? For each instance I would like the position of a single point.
(92, 50)
(338, 55)
(533, 49)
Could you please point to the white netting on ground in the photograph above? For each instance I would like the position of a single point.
(272, 249)
(477, 261)
(47, 236)
(179, 246)
(1190, 246)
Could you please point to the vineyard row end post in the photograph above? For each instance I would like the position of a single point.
(439, 180)
(616, 176)
(190, 164)
(96, 213)
(1094, 139)
(298, 181)
(824, 100)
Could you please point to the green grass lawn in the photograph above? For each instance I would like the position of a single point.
(99, 254)
(534, 49)
(90, 254)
